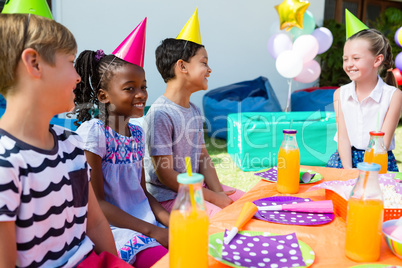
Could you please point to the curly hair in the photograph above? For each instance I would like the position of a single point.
(96, 73)
(170, 51)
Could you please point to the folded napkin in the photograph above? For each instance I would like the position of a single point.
(269, 174)
(272, 174)
(263, 251)
(290, 217)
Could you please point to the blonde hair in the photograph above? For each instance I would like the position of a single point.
(21, 31)
(379, 44)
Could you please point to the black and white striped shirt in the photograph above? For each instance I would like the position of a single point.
(46, 193)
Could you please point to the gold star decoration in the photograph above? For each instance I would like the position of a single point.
(291, 13)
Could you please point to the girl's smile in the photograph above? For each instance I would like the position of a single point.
(127, 93)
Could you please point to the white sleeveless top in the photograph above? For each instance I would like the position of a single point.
(361, 118)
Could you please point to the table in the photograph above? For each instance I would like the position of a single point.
(327, 241)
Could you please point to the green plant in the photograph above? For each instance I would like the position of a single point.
(332, 73)
(388, 23)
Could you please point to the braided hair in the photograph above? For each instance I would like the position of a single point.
(379, 45)
(96, 70)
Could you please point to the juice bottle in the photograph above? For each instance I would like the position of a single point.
(365, 216)
(188, 225)
(288, 164)
(376, 151)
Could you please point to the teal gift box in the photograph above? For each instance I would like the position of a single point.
(254, 139)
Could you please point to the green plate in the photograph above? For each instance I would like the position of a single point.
(316, 178)
(216, 240)
(398, 175)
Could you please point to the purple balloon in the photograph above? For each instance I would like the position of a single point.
(324, 38)
(278, 43)
(398, 61)
(396, 37)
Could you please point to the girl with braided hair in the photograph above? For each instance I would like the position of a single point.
(367, 103)
(114, 149)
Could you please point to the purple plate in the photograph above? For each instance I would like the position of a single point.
(290, 217)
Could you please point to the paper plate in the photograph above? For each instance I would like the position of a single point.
(271, 175)
(216, 240)
(290, 217)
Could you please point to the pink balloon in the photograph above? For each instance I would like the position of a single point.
(306, 46)
(278, 43)
(324, 38)
(310, 72)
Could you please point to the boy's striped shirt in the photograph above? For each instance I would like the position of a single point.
(46, 193)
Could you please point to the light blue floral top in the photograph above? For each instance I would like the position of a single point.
(122, 169)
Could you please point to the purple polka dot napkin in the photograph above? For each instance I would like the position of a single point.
(290, 217)
(263, 251)
(269, 175)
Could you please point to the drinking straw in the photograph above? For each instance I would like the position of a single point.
(287, 109)
(191, 190)
(378, 120)
(364, 184)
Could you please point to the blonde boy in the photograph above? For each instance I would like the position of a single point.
(49, 215)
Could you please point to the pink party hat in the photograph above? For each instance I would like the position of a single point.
(132, 49)
(353, 24)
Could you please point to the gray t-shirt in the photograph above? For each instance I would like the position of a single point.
(171, 130)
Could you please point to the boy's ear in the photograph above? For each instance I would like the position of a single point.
(32, 62)
(181, 66)
(103, 97)
(378, 60)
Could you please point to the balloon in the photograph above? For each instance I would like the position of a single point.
(398, 37)
(398, 76)
(278, 43)
(289, 64)
(398, 61)
(306, 46)
(324, 38)
(291, 13)
(310, 72)
(308, 26)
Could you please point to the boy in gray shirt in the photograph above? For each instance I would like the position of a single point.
(174, 127)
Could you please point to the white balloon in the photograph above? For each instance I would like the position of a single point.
(289, 64)
(306, 46)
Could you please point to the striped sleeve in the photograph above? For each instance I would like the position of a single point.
(10, 191)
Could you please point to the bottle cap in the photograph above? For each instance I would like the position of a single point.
(184, 178)
(368, 167)
(377, 133)
(289, 131)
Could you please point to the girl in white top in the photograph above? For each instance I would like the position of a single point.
(367, 102)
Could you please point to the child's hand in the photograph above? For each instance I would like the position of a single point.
(162, 236)
(222, 199)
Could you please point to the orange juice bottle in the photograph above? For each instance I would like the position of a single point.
(188, 225)
(288, 164)
(365, 216)
(376, 151)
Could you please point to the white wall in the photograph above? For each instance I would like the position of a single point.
(235, 34)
